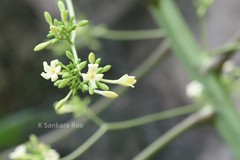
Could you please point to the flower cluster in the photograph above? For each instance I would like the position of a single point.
(91, 81)
(75, 75)
(60, 30)
(34, 150)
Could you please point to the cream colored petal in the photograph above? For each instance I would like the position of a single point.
(45, 75)
(58, 69)
(54, 77)
(54, 63)
(92, 68)
(46, 67)
(93, 83)
(98, 77)
(85, 76)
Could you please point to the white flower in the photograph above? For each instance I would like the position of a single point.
(228, 66)
(194, 89)
(52, 71)
(19, 152)
(127, 81)
(51, 155)
(92, 75)
(108, 94)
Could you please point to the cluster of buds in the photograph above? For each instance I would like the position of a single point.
(74, 75)
(34, 150)
(91, 81)
(60, 30)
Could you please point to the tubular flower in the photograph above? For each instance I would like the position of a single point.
(127, 81)
(92, 76)
(108, 94)
(51, 71)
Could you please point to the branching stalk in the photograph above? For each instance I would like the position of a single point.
(131, 35)
(187, 124)
(73, 34)
(93, 139)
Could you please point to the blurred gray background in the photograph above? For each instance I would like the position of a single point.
(25, 95)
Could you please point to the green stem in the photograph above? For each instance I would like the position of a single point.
(226, 49)
(93, 139)
(105, 126)
(203, 31)
(73, 34)
(167, 15)
(93, 116)
(151, 118)
(187, 124)
(130, 35)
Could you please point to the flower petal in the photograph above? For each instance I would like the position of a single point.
(92, 68)
(98, 77)
(93, 84)
(85, 76)
(46, 67)
(45, 75)
(54, 63)
(58, 69)
(54, 77)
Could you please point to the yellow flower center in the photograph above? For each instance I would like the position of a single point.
(53, 71)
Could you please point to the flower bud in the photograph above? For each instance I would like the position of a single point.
(83, 23)
(91, 58)
(108, 94)
(48, 18)
(42, 46)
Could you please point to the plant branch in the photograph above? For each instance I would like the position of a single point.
(167, 15)
(129, 35)
(79, 151)
(151, 118)
(203, 115)
(73, 34)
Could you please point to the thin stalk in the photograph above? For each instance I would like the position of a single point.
(187, 124)
(226, 49)
(167, 15)
(151, 118)
(93, 116)
(130, 35)
(93, 139)
(105, 126)
(73, 34)
(203, 31)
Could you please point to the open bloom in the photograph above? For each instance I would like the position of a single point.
(19, 152)
(92, 75)
(194, 89)
(108, 94)
(127, 81)
(51, 71)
